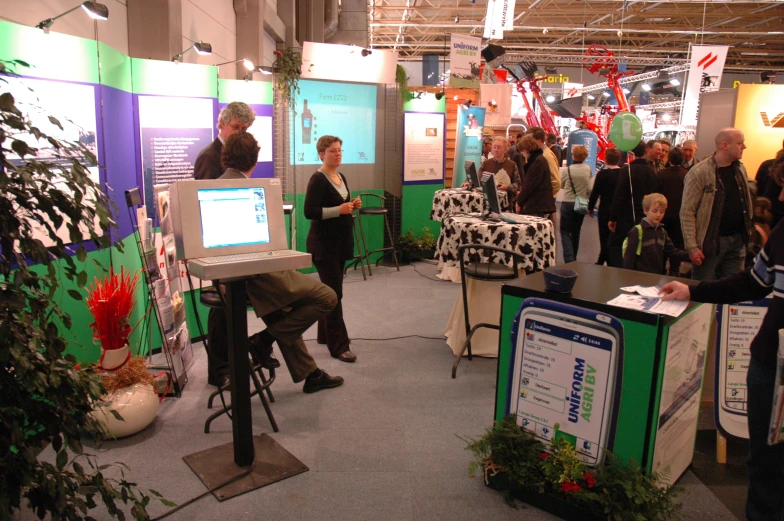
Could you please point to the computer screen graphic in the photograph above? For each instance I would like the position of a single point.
(233, 217)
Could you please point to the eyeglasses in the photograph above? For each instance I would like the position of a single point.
(237, 127)
(332, 151)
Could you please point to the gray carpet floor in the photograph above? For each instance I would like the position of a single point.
(386, 445)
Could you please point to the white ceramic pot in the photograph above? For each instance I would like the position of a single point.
(137, 404)
(115, 358)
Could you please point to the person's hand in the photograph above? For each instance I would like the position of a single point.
(517, 208)
(357, 203)
(697, 257)
(465, 184)
(611, 226)
(346, 208)
(590, 214)
(502, 186)
(675, 291)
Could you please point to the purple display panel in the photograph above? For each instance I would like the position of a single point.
(263, 168)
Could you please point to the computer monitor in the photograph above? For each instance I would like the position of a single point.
(226, 217)
(471, 175)
(490, 190)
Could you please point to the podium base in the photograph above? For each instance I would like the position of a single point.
(272, 463)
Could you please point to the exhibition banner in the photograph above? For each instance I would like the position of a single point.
(737, 325)
(589, 140)
(345, 110)
(497, 101)
(679, 404)
(705, 69)
(468, 142)
(423, 147)
(499, 18)
(464, 58)
(758, 112)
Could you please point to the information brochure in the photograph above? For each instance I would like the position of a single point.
(776, 434)
(647, 299)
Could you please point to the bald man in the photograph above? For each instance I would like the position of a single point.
(716, 210)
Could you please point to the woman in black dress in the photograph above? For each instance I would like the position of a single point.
(329, 207)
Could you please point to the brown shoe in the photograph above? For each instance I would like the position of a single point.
(323, 381)
(347, 356)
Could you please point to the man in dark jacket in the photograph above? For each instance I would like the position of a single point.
(536, 196)
(603, 192)
(671, 186)
(634, 183)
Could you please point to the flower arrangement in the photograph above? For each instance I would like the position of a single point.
(616, 490)
(110, 301)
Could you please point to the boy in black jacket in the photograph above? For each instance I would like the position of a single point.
(647, 245)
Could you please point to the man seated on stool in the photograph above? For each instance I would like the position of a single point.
(288, 301)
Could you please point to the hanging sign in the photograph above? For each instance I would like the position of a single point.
(464, 58)
(468, 142)
(705, 69)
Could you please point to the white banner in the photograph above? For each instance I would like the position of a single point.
(464, 58)
(497, 101)
(423, 147)
(706, 66)
(494, 19)
(572, 90)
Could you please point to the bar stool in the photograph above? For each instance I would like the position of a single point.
(487, 271)
(359, 258)
(212, 299)
(376, 210)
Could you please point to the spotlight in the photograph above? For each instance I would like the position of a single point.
(591, 97)
(366, 53)
(665, 117)
(545, 30)
(419, 94)
(457, 19)
(202, 48)
(674, 82)
(646, 87)
(550, 98)
(264, 69)
(620, 33)
(626, 91)
(606, 94)
(467, 104)
(456, 97)
(93, 9)
(493, 104)
(247, 63)
(440, 95)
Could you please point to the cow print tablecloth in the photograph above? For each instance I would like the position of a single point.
(454, 200)
(532, 237)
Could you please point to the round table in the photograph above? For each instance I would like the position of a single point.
(457, 200)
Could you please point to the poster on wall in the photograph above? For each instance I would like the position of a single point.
(345, 110)
(468, 143)
(173, 131)
(679, 405)
(464, 60)
(497, 102)
(737, 326)
(705, 70)
(564, 366)
(72, 106)
(423, 147)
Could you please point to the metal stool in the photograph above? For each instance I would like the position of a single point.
(488, 271)
(359, 258)
(376, 210)
(212, 299)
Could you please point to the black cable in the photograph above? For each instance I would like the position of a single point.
(210, 491)
(423, 275)
(390, 338)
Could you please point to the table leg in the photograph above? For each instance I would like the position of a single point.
(721, 448)
(239, 367)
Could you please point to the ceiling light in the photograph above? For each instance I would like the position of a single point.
(93, 9)
(366, 53)
(247, 63)
(440, 95)
(674, 82)
(550, 98)
(626, 91)
(202, 48)
(606, 94)
(457, 18)
(456, 97)
(264, 69)
(665, 117)
(545, 30)
(646, 87)
(591, 97)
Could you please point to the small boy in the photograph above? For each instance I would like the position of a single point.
(647, 245)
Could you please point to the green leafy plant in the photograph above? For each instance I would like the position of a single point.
(47, 398)
(616, 490)
(287, 69)
(411, 246)
(401, 79)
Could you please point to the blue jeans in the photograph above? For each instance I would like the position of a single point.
(766, 462)
(571, 224)
(729, 260)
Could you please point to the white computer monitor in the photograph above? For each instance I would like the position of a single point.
(490, 191)
(227, 217)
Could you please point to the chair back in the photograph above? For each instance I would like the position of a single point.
(477, 268)
(372, 204)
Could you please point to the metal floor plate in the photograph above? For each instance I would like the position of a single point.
(273, 463)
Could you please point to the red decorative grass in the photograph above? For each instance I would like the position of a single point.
(110, 300)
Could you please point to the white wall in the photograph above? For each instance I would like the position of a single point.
(113, 32)
(210, 21)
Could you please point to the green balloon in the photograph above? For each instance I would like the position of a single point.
(626, 131)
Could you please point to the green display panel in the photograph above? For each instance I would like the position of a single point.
(417, 202)
(183, 80)
(115, 68)
(252, 92)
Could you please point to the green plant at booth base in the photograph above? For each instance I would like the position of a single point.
(411, 246)
(287, 69)
(401, 79)
(46, 397)
(615, 490)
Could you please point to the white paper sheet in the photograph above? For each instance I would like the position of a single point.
(673, 308)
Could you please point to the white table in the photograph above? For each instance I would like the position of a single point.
(456, 200)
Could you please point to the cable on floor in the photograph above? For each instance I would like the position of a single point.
(390, 338)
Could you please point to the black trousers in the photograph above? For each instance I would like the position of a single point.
(604, 238)
(673, 227)
(332, 328)
(217, 344)
(615, 242)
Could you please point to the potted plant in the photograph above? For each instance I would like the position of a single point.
(287, 69)
(412, 248)
(554, 479)
(47, 398)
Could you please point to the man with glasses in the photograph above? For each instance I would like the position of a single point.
(235, 117)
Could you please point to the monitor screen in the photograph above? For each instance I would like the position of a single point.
(491, 193)
(233, 217)
(471, 175)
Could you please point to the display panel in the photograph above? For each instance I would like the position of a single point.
(345, 110)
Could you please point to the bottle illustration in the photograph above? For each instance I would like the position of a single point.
(307, 123)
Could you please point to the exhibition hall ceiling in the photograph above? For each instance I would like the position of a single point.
(556, 32)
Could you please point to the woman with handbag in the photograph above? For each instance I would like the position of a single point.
(576, 181)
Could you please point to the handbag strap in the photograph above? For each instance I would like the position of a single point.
(569, 173)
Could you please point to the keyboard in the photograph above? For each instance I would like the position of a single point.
(248, 256)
